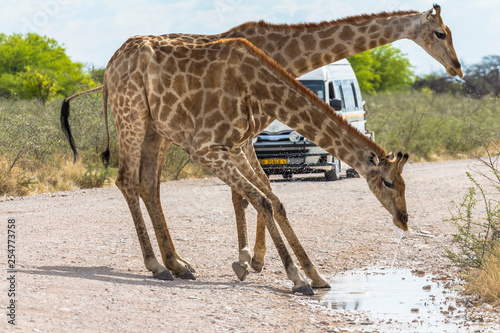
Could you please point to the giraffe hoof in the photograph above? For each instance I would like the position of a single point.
(324, 286)
(240, 271)
(165, 275)
(190, 268)
(304, 290)
(257, 265)
(187, 276)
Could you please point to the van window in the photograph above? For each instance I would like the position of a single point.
(355, 95)
(348, 96)
(331, 91)
(317, 87)
(341, 92)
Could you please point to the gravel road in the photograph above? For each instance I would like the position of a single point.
(80, 269)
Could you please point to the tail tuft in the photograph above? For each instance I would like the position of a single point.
(66, 128)
(105, 157)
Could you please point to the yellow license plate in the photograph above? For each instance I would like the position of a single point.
(273, 161)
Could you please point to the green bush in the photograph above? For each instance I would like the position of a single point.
(428, 125)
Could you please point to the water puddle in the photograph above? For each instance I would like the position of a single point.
(395, 296)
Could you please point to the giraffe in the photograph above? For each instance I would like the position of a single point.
(302, 47)
(222, 95)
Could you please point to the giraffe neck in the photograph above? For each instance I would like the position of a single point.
(318, 122)
(302, 48)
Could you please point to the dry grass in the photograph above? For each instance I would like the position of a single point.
(486, 282)
(62, 175)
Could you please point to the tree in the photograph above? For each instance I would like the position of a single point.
(34, 66)
(384, 68)
(439, 83)
(484, 78)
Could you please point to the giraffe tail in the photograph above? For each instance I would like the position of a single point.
(65, 120)
(105, 154)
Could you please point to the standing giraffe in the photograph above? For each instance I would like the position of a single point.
(299, 49)
(211, 101)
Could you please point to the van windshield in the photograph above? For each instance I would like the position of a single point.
(317, 87)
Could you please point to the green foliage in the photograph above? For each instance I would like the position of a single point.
(427, 125)
(33, 66)
(384, 68)
(477, 217)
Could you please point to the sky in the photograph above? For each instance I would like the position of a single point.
(91, 30)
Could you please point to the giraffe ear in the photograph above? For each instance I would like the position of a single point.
(427, 16)
(371, 158)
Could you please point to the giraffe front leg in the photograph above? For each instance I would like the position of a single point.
(318, 281)
(222, 164)
(260, 248)
(241, 267)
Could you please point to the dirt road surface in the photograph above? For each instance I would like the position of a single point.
(79, 267)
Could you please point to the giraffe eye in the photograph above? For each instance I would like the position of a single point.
(440, 35)
(388, 184)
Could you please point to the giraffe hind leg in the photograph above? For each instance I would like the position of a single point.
(149, 178)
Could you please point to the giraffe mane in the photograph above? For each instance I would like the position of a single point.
(305, 91)
(323, 24)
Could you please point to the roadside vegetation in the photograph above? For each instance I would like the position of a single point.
(477, 219)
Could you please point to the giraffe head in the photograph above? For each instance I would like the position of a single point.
(435, 38)
(386, 182)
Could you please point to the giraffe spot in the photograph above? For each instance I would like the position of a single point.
(198, 54)
(326, 43)
(179, 85)
(375, 35)
(309, 42)
(269, 48)
(229, 107)
(182, 64)
(221, 131)
(324, 142)
(342, 152)
(347, 33)
(293, 49)
(372, 44)
(169, 99)
(382, 41)
(305, 118)
(400, 28)
(154, 101)
(328, 58)
(328, 32)
(339, 49)
(212, 120)
(248, 72)
(258, 41)
(260, 90)
(170, 65)
(294, 121)
(213, 75)
(280, 60)
(317, 60)
(300, 65)
(310, 132)
(388, 32)
(373, 28)
(211, 102)
(360, 44)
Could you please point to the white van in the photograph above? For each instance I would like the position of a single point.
(281, 150)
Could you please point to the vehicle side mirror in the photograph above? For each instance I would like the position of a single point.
(336, 104)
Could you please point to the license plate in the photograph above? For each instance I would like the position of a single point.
(268, 161)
